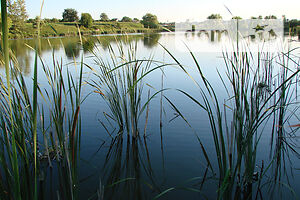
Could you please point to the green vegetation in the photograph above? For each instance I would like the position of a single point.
(237, 121)
(271, 17)
(126, 19)
(71, 29)
(86, 20)
(18, 15)
(150, 21)
(20, 27)
(214, 16)
(236, 17)
(35, 139)
(104, 17)
(70, 15)
(120, 85)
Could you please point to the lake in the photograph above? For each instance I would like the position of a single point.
(166, 160)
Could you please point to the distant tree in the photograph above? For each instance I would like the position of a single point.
(253, 17)
(47, 20)
(17, 13)
(136, 20)
(54, 20)
(260, 17)
(37, 20)
(126, 19)
(150, 21)
(114, 19)
(271, 17)
(237, 17)
(214, 16)
(86, 20)
(70, 15)
(104, 17)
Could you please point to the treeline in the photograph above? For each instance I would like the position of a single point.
(20, 26)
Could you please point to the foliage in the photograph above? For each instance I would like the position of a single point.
(18, 15)
(214, 16)
(70, 15)
(237, 17)
(259, 17)
(9, 22)
(150, 21)
(104, 17)
(136, 20)
(86, 20)
(126, 19)
(271, 17)
(114, 19)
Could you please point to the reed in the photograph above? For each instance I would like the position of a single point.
(120, 83)
(237, 123)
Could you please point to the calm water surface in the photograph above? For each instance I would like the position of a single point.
(170, 156)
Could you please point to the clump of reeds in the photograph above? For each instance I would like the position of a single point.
(120, 83)
(238, 122)
(28, 142)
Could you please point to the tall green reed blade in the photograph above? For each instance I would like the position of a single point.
(16, 186)
(121, 84)
(35, 105)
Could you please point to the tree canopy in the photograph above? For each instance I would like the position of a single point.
(126, 19)
(70, 15)
(17, 13)
(150, 21)
(271, 17)
(86, 20)
(214, 16)
(237, 17)
(104, 17)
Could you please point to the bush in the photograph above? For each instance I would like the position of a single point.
(70, 15)
(86, 20)
(150, 21)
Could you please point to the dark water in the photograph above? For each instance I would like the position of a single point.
(169, 156)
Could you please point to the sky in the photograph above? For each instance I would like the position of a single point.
(167, 10)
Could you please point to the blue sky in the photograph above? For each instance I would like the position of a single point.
(167, 10)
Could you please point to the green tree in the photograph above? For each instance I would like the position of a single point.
(214, 16)
(86, 20)
(114, 19)
(126, 19)
(136, 20)
(271, 17)
(70, 15)
(237, 17)
(150, 21)
(17, 13)
(104, 17)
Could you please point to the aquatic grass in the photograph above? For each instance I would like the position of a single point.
(250, 104)
(120, 83)
(21, 151)
(14, 159)
(65, 99)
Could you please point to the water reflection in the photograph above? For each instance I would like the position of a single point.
(21, 49)
(72, 50)
(151, 40)
(128, 170)
(216, 36)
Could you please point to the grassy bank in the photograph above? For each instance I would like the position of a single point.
(71, 29)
